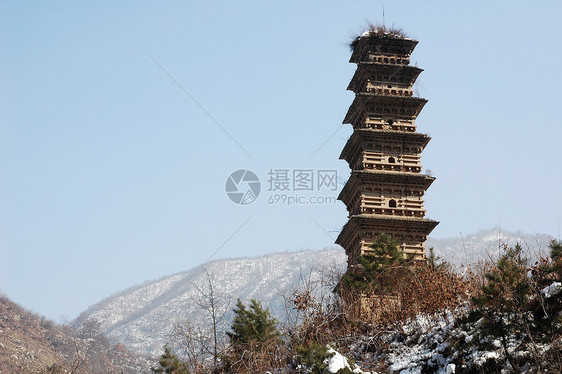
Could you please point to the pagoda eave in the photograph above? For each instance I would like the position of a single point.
(404, 45)
(383, 224)
(406, 73)
(360, 177)
(384, 106)
(361, 136)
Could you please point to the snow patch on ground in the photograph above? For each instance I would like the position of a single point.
(339, 361)
(553, 289)
(423, 345)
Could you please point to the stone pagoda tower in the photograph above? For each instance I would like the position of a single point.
(384, 193)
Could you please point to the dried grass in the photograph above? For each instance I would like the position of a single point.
(380, 31)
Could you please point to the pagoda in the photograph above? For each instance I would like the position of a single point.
(384, 193)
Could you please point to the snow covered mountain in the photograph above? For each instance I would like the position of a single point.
(143, 317)
(485, 244)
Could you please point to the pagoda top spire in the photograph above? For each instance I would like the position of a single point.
(381, 40)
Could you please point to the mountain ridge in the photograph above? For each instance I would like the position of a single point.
(132, 314)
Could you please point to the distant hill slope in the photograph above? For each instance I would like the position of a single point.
(24, 343)
(484, 245)
(30, 343)
(142, 317)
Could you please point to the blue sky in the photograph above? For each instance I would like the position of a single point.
(120, 123)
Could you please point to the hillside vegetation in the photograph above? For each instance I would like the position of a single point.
(31, 344)
(502, 316)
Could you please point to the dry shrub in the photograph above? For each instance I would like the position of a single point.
(255, 357)
(552, 358)
(432, 289)
(420, 288)
(316, 317)
(415, 289)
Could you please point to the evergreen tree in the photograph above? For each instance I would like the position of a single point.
(504, 302)
(254, 340)
(556, 256)
(522, 305)
(253, 325)
(555, 249)
(314, 357)
(435, 261)
(380, 271)
(169, 363)
(386, 254)
(547, 306)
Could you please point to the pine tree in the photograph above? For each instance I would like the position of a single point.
(254, 340)
(547, 306)
(254, 325)
(314, 357)
(435, 261)
(170, 363)
(556, 256)
(386, 254)
(504, 302)
(378, 272)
